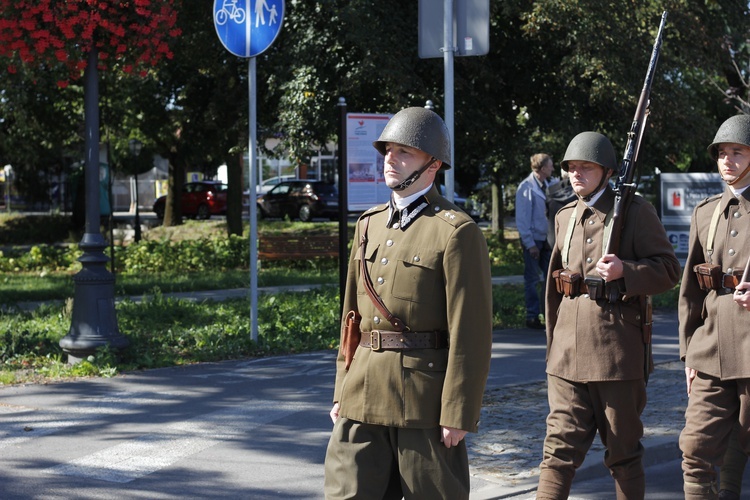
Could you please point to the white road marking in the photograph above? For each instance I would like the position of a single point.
(138, 457)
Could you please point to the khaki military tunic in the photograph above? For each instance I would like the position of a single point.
(596, 356)
(713, 328)
(587, 340)
(714, 341)
(433, 274)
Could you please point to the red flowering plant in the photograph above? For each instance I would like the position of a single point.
(130, 34)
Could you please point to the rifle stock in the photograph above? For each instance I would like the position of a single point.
(625, 186)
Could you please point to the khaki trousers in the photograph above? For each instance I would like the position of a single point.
(713, 409)
(577, 412)
(374, 462)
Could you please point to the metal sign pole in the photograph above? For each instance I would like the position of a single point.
(448, 50)
(253, 203)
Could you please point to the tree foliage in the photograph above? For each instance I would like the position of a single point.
(133, 33)
(555, 68)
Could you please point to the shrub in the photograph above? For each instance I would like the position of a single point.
(34, 229)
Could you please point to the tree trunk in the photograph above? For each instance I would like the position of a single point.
(234, 196)
(498, 212)
(176, 181)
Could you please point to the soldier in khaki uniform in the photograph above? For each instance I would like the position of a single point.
(597, 356)
(414, 388)
(714, 317)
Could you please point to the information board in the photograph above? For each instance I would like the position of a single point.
(680, 193)
(364, 165)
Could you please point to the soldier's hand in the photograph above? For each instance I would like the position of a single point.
(742, 295)
(534, 252)
(451, 437)
(610, 267)
(334, 412)
(689, 376)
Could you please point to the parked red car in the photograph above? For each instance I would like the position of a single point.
(200, 200)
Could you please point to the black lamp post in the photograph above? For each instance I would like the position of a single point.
(94, 322)
(135, 150)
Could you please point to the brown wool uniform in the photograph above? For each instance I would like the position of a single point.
(434, 274)
(595, 350)
(714, 339)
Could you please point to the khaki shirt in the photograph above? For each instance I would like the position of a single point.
(594, 341)
(433, 275)
(714, 329)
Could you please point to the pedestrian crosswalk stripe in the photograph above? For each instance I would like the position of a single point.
(138, 457)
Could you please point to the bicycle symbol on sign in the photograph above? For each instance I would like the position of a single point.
(229, 10)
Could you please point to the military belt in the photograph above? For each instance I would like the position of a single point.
(379, 340)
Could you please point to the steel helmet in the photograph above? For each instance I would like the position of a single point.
(593, 147)
(418, 128)
(736, 129)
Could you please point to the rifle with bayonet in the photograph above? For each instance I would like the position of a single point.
(625, 185)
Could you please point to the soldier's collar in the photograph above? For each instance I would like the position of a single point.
(401, 219)
(601, 205)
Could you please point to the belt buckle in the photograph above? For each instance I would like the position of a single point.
(376, 341)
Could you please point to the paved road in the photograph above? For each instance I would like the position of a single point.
(258, 429)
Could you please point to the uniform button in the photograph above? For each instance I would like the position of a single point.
(589, 240)
(591, 222)
(396, 225)
(586, 295)
(430, 365)
(736, 215)
(437, 208)
(376, 320)
(389, 243)
(589, 260)
(384, 261)
(381, 281)
(733, 232)
(416, 258)
(731, 251)
(637, 317)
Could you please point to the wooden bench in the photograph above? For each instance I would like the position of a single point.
(279, 247)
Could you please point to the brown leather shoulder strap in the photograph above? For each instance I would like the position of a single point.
(398, 325)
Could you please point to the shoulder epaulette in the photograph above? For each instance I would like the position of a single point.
(705, 201)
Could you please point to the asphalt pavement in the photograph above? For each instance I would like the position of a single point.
(258, 428)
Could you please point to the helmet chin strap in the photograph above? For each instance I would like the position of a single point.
(414, 176)
(602, 183)
(739, 178)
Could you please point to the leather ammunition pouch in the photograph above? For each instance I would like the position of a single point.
(731, 280)
(567, 282)
(595, 287)
(710, 276)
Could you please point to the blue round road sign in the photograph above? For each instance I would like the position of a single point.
(248, 27)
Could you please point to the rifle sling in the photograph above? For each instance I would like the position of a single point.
(712, 231)
(398, 325)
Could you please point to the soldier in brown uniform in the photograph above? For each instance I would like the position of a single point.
(597, 354)
(414, 388)
(714, 317)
